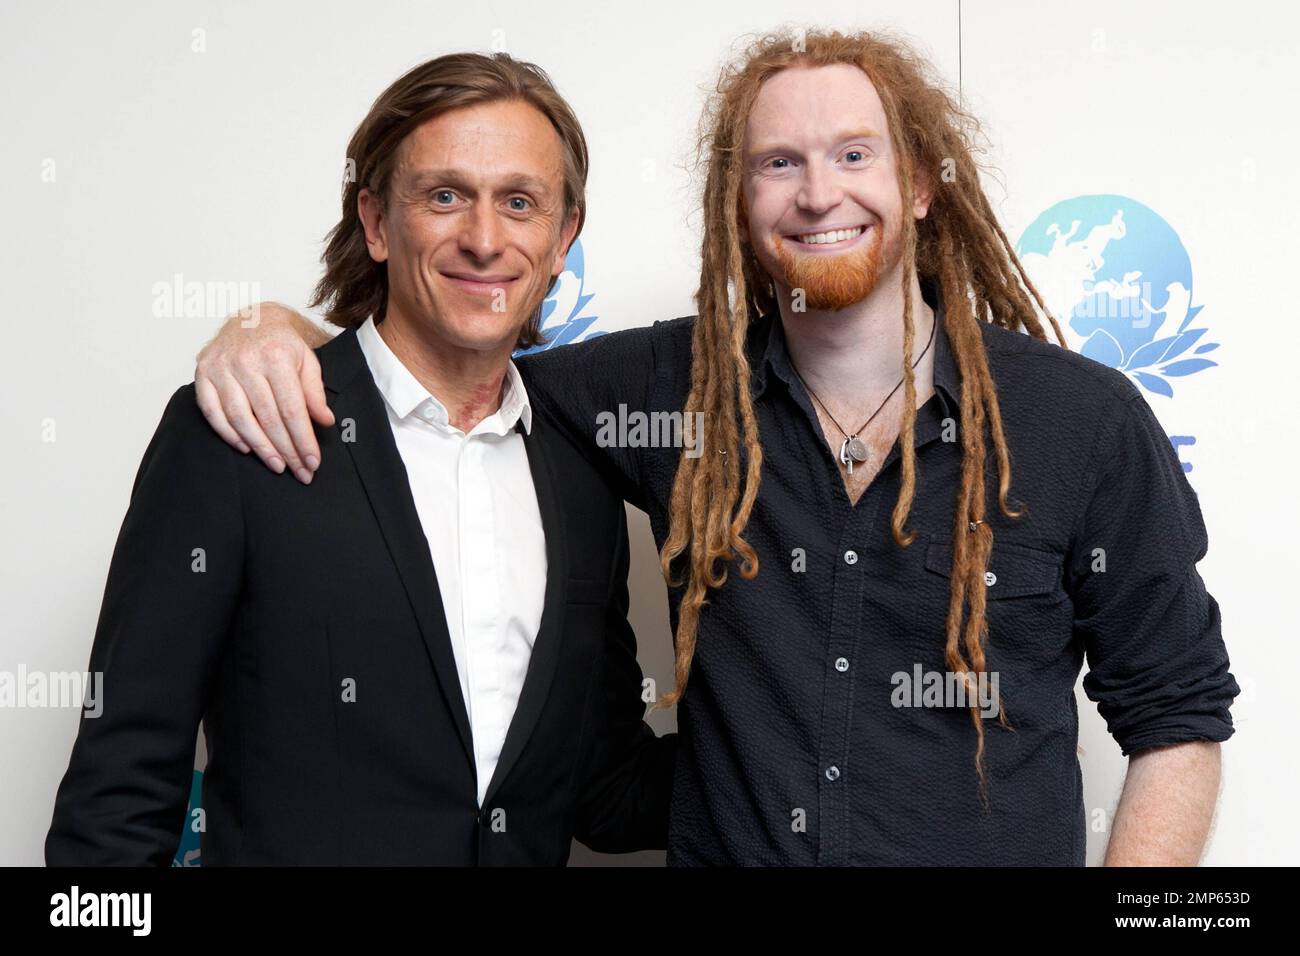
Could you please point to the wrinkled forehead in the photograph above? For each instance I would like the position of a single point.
(486, 142)
(812, 105)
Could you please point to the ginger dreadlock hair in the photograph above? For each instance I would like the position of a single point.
(959, 244)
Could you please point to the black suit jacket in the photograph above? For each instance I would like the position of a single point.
(303, 626)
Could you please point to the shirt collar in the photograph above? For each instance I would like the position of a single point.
(775, 359)
(406, 396)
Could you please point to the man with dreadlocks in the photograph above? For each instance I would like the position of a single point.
(868, 356)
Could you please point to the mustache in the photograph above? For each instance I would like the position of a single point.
(831, 282)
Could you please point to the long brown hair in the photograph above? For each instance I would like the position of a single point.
(959, 245)
(354, 286)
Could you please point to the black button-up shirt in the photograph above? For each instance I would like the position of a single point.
(793, 747)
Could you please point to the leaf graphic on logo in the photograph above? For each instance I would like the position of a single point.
(1155, 384)
(1185, 341)
(1187, 366)
(1207, 347)
(1102, 347)
(1191, 314)
(548, 306)
(1150, 353)
(567, 333)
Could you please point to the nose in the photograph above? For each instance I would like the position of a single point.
(482, 237)
(820, 192)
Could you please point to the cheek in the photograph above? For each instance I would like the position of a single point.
(758, 230)
(881, 195)
(407, 248)
(538, 242)
(423, 230)
(763, 209)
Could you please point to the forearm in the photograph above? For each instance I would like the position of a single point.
(266, 314)
(1167, 806)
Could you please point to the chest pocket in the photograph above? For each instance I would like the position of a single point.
(1014, 570)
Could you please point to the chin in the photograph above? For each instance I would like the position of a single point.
(484, 333)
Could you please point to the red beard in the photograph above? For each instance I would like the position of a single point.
(832, 282)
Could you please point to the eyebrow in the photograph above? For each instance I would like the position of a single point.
(863, 133)
(521, 182)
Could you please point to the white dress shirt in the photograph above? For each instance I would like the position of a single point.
(477, 505)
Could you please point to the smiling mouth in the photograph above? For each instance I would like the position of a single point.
(831, 238)
(483, 285)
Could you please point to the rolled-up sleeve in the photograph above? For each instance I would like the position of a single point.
(1157, 663)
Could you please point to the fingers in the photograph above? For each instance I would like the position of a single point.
(261, 397)
(303, 454)
(260, 388)
(241, 418)
(314, 388)
(210, 404)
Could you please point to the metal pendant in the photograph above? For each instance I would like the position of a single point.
(857, 449)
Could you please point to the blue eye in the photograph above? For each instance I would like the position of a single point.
(778, 160)
(523, 203)
(854, 155)
(439, 194)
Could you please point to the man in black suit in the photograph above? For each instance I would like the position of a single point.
(424, 657)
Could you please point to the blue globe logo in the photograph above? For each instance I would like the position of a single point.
(1121, 279)
(564, 311)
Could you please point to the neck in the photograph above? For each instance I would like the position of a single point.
(855, 352)
(468, 382)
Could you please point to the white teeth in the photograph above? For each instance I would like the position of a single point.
(839, 235)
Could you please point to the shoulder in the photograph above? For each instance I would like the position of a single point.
(640, 345)
(185, 454)
(1058, 393)
(183, 424)
(629, 366)
(1025, 365)
(1071, 410)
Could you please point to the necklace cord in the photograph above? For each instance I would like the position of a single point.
(933, 326)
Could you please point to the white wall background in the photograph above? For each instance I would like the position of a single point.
(223, 166)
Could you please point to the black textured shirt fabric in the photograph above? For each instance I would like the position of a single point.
(792, 748)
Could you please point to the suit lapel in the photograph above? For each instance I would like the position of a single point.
(379, 465)
(546, 648)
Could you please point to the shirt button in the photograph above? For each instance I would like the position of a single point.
(850, 557)
(990, 578)
(841, 664)
(832, 773)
